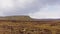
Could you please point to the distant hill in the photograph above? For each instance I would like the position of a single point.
(25, 18)
(20, 18)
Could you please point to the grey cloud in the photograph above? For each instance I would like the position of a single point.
(48, 9)
(27, 7)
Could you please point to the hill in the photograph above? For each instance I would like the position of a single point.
(27, 25)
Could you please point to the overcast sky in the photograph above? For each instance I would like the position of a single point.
(39, 9)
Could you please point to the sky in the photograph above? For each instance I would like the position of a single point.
(39, 9)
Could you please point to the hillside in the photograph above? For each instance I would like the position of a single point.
(21, 18)
(27, 25)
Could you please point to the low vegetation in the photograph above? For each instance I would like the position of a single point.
(29, 27)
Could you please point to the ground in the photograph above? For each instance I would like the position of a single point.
(30, 27)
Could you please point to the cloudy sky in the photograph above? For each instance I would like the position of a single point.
(39, 9)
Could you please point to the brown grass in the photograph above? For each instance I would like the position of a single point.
(29, 26)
